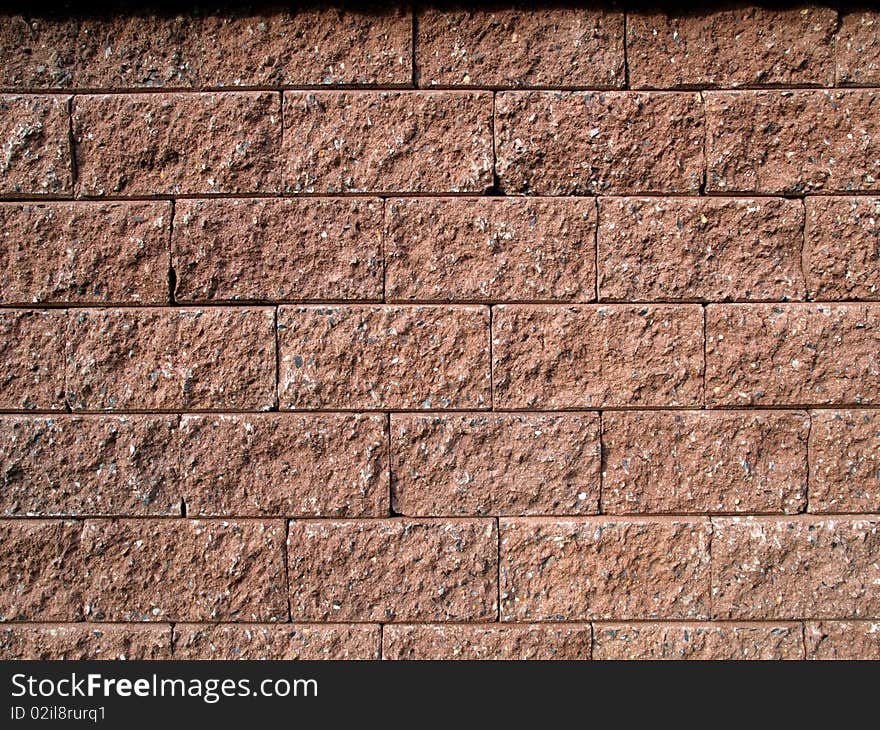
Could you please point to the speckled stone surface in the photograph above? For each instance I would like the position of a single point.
(91, 642)
(32, 348)
(842, 639)
(857, 50)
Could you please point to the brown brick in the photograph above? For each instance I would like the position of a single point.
(184, 570)
(593, 357)
(32, 357)
(487, 641)
(769, 568)
(585, 143)
(698, 461)
(276, 641)
(522, 46)
(843, 639)
(504, 464)
(331, 465)
(698, 641)
(845, 461)
(857, 49)
(76, 642)
(842, 248)
(42, 570)
(373, 357)
(490, 249)
(34, 139)
(735, 46)
(387, 141)
(793, 142)
(185, 49)
(173, 144)
(705, 249)
(393, 570)
(792, 354)
(169, 359)
(272, 249)
(595, 568)
(93, 253)
(68, 465)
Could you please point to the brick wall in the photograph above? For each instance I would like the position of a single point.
(504, 333)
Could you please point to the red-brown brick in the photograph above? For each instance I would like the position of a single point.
(390, 141)
(843, 639)
(393, 570)
(857, 50)
(34, 138)
(498, 464)
(177, 144)
(32, 352)
(586, 143)
(81, 641)
(702, 462)
(270, 249)
(597, 356)
(730, 47)
(189, 49)
(487, 641)
(276, 641)
(84, 253)
(792, 142)
(68, 465)
(700, 641)
(314, 465)
(772, 568)
(842, 248)
(184, 570)
(374, 357)
(170, 359)
(705, 249)
(598, 568)
(42, 571)
(792, 354)
(845, 461)
(539, 46)
(490, 249)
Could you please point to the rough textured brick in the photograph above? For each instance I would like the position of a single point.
(793, 142)
(584, 143)
(41, 578)
(68, 465)
(384, 357)
(276, 642)
(845, 461)
(314, 465)
(187, 48)
(780, 354)
(423, 142)
(95, 253)
(274, 249)
(593, 357)
(567, 570)
(32, 359)
(707, 249)
(487, 641)
(521, 46)
(173, 144)
(184, 570)
(697, 461)
(697, 641)
(490, 249)
(510, 464)
(76, 642)
(777, 568)
(842, 248)
(735, 46)
(167, 359)
(843, 639)
(34, 140)
(857, 50)
(393, 570)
